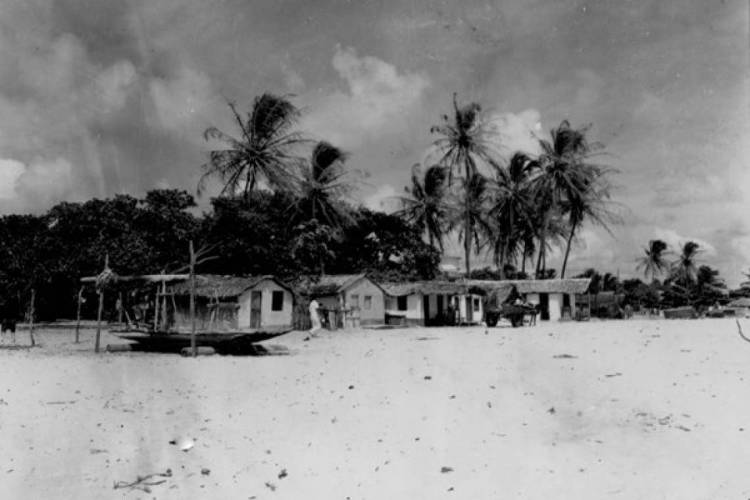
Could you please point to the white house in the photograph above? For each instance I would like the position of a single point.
(556, 298)
(233, 303)
(351, 299)
(433, 303)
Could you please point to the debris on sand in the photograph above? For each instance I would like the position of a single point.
(185, 444)
(445, 470)
(551, 411)
(205, 471)
(270, 486)
(616, 374)
(428, 377)
(282, 474)
(143, 483)
(564, 356)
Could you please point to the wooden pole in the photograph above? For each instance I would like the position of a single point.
(156, 309)
(100, 310)
(119, 308)
(31, 317)
(164, 306)
(193, 344)
(99, 321)
(78, 314)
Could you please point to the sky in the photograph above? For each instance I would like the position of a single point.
(99, 98)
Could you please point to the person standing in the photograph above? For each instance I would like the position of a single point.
(314, 317)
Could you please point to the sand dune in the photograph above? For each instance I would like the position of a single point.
(632, 409)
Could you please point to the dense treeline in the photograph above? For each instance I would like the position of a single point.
(247, 235)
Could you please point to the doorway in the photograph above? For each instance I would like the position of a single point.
(544, 306)
(256, 303)
(426, 310)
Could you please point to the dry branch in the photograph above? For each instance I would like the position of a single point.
(739, 330)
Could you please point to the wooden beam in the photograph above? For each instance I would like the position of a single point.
(193, 344)
(78, 314)
(31, 317)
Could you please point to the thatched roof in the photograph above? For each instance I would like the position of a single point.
(333, 284)
(741, 302)
(213, 285)
(143, 278)
(431, 288)
(573, 285)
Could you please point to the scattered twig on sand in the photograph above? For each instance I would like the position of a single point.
(739, 329)
(143, 482)
(564, 356)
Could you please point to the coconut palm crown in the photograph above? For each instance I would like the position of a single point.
(262, 153)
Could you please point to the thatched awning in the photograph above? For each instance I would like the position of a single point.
(569, 286)
(218, 286)
(332, 284)
(431, 288)
(142, 278)
(741, 302)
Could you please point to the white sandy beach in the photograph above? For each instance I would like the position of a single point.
(631, 409)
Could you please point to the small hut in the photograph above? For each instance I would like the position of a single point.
(348, 299)
(231, 303)
(556, 298)
(433, 303)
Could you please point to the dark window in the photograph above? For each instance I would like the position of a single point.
(476, 305)
(354, 299)
(277, 301)
(368, 302)
(402, 303)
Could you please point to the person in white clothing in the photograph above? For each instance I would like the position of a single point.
(314, 317)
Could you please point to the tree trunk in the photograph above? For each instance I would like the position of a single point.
(193, 344)
(78, 314)
(539, 257)
(99, 321)
(567, 251)
(467, 223)
(119, 309)
(31, 317)
(164, 316)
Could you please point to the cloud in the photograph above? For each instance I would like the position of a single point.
(40, 184)
(183, 102)
(10, 171)
(516, 131)
(111, 87)
(676, 241)
(383, 199)
(377, 99)
(691, 189)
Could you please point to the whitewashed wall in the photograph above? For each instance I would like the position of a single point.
(268, 317)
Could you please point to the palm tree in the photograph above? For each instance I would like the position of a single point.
(566, 176)
(463, 145)
(512, 209)
(425, 206)
(591, 203)
(264, 152)
(476, 227)
(654, 262)
(685, 268)
(322, 185)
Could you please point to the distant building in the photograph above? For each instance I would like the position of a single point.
(232, 303)
(349, 299)
(433, 303)
(556, 298)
